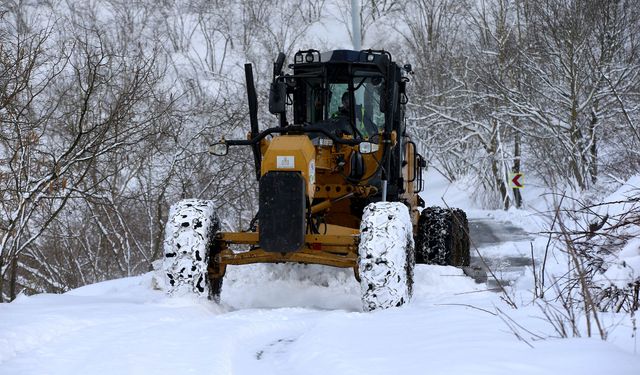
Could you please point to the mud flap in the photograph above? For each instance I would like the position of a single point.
(281, 217)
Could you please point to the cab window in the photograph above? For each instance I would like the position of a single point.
(367, 98)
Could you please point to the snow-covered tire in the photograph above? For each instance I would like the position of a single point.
(443, 237)
(463, 254)
(189, 235)
(385, 256)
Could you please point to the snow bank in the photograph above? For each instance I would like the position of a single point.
(124, 326)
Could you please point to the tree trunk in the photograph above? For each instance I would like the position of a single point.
(158, 240)
(517, 197)
(1, 280)
(498, 177)
(593, 150)
(14, 277)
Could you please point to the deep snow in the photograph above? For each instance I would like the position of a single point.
(290, 319)
(286, 327)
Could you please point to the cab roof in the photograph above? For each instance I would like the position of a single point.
(311, 57)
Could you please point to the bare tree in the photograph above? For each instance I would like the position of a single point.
(67, 115)
(579, 47)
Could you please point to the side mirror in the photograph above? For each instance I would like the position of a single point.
(220, 148)
(368, 147)
(277, 97)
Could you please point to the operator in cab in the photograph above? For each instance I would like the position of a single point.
(363, 123)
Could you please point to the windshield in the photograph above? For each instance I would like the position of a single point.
(356, 102)
(369, 120)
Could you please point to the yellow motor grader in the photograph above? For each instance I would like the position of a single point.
(338, 179)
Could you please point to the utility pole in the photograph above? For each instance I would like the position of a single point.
(355, 24)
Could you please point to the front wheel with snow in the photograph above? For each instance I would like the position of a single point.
(385, 256)
(189, 236)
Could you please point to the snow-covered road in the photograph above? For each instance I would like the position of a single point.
(288, 320)
(487, 233)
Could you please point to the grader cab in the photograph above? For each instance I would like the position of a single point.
(338, 179)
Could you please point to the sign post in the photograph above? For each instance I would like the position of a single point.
(517, 180)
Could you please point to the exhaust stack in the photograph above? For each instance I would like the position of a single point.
(253, 115)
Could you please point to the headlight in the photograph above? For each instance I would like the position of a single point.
(368, 147)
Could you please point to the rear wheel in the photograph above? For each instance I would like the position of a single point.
(189, 236)
(386, 256)
(443, 237)
(462, 255)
